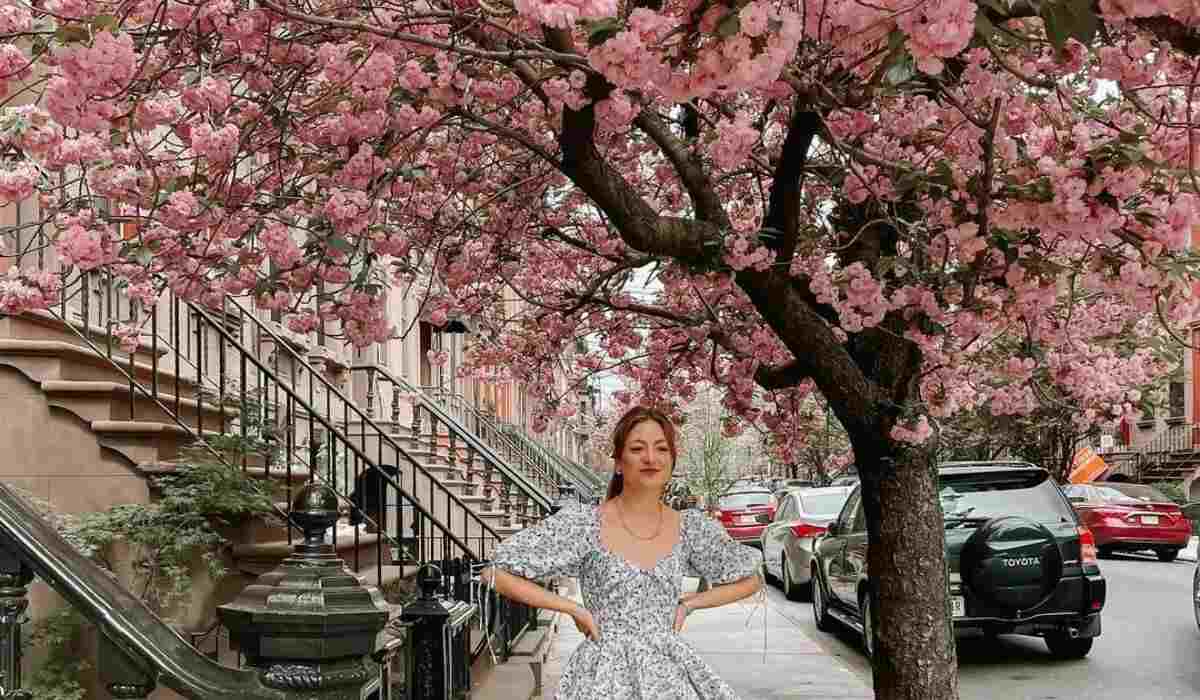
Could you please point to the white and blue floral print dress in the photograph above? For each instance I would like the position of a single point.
(638, 656)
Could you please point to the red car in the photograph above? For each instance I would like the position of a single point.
(1130, 518)
(740, 513)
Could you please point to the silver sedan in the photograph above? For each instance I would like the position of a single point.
(787, 542)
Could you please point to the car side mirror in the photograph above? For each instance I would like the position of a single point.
(1192, 511)
(763, 518)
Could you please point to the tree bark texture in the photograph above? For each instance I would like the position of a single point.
(915, 657)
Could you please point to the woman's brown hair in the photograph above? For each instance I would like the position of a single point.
(632, 418)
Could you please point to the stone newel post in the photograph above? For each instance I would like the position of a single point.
(309, 625)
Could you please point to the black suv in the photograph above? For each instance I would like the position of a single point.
(1019, 561)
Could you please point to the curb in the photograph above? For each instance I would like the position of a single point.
(1189, 553)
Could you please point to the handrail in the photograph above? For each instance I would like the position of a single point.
(503, 433)
(580, 476)
(135, 387)
(122, 617)
(455, 401)
(348, 407)
(474, 443)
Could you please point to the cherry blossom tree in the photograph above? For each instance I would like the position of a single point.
(857, 199)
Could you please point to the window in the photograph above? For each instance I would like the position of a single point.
(1175, 403)
(848, 511)
(822, 503)
(1129, 494)
(787, 509)
(860, 518)
(1030, 494)
(748, 499)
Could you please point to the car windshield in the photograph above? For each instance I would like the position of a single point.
(1130, 493)
(983, 495)
(738, 501)
(823, 503)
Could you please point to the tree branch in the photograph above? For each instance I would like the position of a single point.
(783, 209)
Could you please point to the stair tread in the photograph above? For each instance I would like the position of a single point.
(81, 386)
(56, 348)
(137, 427)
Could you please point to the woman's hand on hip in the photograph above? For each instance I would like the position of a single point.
(584, 622)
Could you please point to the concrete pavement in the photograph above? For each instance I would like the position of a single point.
(731, 639)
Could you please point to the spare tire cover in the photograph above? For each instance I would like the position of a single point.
(1012, 563)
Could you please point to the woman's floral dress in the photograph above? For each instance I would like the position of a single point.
(638, 656)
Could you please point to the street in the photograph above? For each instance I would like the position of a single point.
(1150, 647)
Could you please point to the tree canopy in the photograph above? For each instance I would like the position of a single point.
(914, 208)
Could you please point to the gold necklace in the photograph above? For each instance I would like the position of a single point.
(657, 530)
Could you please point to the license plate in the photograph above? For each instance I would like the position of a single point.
(958, 606)
(746, 520)
(1149, 519)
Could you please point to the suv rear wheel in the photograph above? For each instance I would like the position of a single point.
(1063, 646)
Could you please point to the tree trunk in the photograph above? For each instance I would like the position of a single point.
(915, 658)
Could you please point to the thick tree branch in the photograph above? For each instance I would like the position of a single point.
(691, 171)
(783, 208)
(818, 352)
(639, 224)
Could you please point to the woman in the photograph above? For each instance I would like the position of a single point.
(630, 555)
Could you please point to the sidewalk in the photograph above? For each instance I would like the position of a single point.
(794, 666)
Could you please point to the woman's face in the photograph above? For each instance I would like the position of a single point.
(645, 461)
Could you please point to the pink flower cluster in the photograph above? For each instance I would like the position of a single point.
(18, 183)
(25, 290)
(563, 14)
(937, 29)
(916, 434)
(219, 146)
(86, 247)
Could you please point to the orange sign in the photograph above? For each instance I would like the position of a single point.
(1086, 466)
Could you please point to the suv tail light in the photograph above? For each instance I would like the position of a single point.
(805, 530)
(1087, 547)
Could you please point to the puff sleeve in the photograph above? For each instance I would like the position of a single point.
(713, 554)
(554, 547)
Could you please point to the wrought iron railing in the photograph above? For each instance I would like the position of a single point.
(504, 437)
(527, 496)
(588, 483)
(294, 418)
(356, 451)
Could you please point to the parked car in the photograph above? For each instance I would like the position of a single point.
(739, 511)
(1192, 512)
(789, 484)
(1020, 562)
(1130, 518)
(787, 542)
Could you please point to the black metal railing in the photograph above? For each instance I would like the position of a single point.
(289, 418)
(527, 495)
(358, 454)
(588, 483)
(503, 437)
